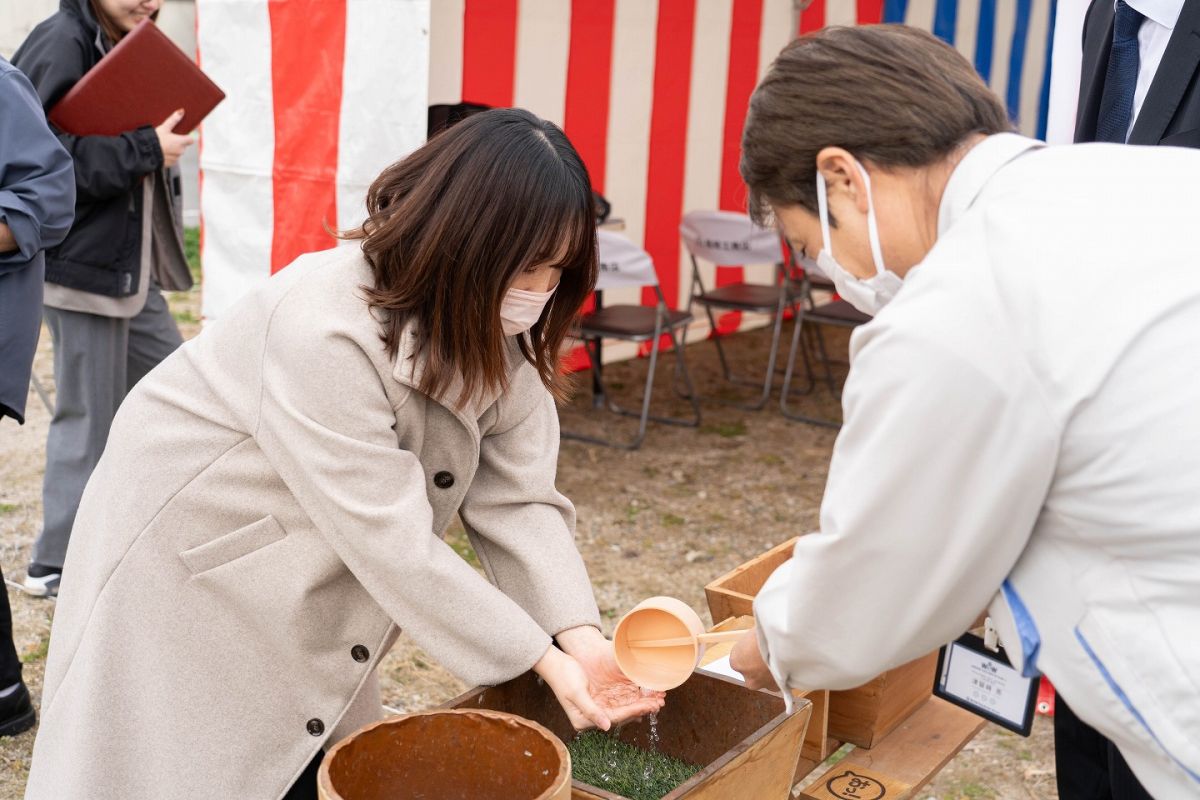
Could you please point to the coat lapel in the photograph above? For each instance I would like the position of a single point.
(1097, 44)
(1174, 75)
(409, 367)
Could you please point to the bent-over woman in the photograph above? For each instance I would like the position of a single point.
(267, 515)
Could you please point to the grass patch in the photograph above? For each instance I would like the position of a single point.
(975, 791)
(191, 249)
(185, 316)
(672, 520)
(608, 763)
(37, 652)
(8, 508)
(726, 429)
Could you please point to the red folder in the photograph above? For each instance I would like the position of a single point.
(140, 82)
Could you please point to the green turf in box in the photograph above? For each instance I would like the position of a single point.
(608, 763)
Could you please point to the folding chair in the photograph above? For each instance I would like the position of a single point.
(836, 313)
(727, 238)
(624, 264)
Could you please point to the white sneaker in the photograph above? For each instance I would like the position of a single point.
(42, 581)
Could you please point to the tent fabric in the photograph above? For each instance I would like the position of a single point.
(652, 92)
(320, 97)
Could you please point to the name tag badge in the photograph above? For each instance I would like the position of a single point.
(971, 676)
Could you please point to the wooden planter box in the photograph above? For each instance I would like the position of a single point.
(816, 739)
(747, 743)
(861, 716)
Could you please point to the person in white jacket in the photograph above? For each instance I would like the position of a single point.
(1022, 416)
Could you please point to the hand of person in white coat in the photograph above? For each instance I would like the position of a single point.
(747, 659)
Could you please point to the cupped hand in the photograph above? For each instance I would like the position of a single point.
(567, 679)
(619, 697)
(172, 144)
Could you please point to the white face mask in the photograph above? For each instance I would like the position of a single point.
(868, 295)
(520, 310)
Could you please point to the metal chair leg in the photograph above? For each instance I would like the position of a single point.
(787, 380)
(681, 369)
(829, 381)
(643, 416)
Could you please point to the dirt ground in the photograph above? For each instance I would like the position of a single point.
(687, 507)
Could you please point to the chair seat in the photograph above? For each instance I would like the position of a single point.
(759, 297)
(837, 312)
(820, 283)
(629, 322)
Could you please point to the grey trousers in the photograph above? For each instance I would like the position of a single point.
(97, 360)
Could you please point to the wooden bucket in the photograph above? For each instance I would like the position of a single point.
(472, 754)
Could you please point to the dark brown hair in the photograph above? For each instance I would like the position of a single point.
(892, 95)
(107, 26)
(452, 225)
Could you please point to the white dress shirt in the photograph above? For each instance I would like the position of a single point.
(1161, 16)
(1021, 427)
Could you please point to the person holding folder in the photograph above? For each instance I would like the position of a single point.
(108, 319)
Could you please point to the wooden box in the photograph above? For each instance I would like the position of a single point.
(861, 716)
(745, 740)
(816, 739)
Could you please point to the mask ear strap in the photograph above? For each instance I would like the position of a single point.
(823, 213)
(872, 227)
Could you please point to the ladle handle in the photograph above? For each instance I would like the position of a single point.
(703, 638)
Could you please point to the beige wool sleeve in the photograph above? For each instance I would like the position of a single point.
(523, 528)
(327, 427)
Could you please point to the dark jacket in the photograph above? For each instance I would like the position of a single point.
(1170, 114)
(102, 253)
(37, 200)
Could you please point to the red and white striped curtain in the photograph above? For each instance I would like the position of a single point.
(320, 96)
(653, 93)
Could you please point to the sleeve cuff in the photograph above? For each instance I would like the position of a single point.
(24, 230)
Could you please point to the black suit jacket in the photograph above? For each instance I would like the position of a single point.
(1170, 114)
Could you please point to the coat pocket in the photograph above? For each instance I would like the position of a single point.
(233, 545)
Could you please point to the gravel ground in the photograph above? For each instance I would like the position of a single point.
(687, 507)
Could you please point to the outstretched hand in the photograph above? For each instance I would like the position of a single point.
(620, 698)
(567, 679)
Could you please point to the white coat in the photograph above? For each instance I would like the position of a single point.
(1022, 427)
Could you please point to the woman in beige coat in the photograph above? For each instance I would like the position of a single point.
(266, 517)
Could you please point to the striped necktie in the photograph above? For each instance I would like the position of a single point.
(1120, 81)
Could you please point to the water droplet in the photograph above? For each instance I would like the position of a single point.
(528, 754)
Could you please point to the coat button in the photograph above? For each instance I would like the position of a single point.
(443, 480)
(316, 727)
(360, 653)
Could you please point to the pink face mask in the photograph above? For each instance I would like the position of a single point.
(520, 310)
